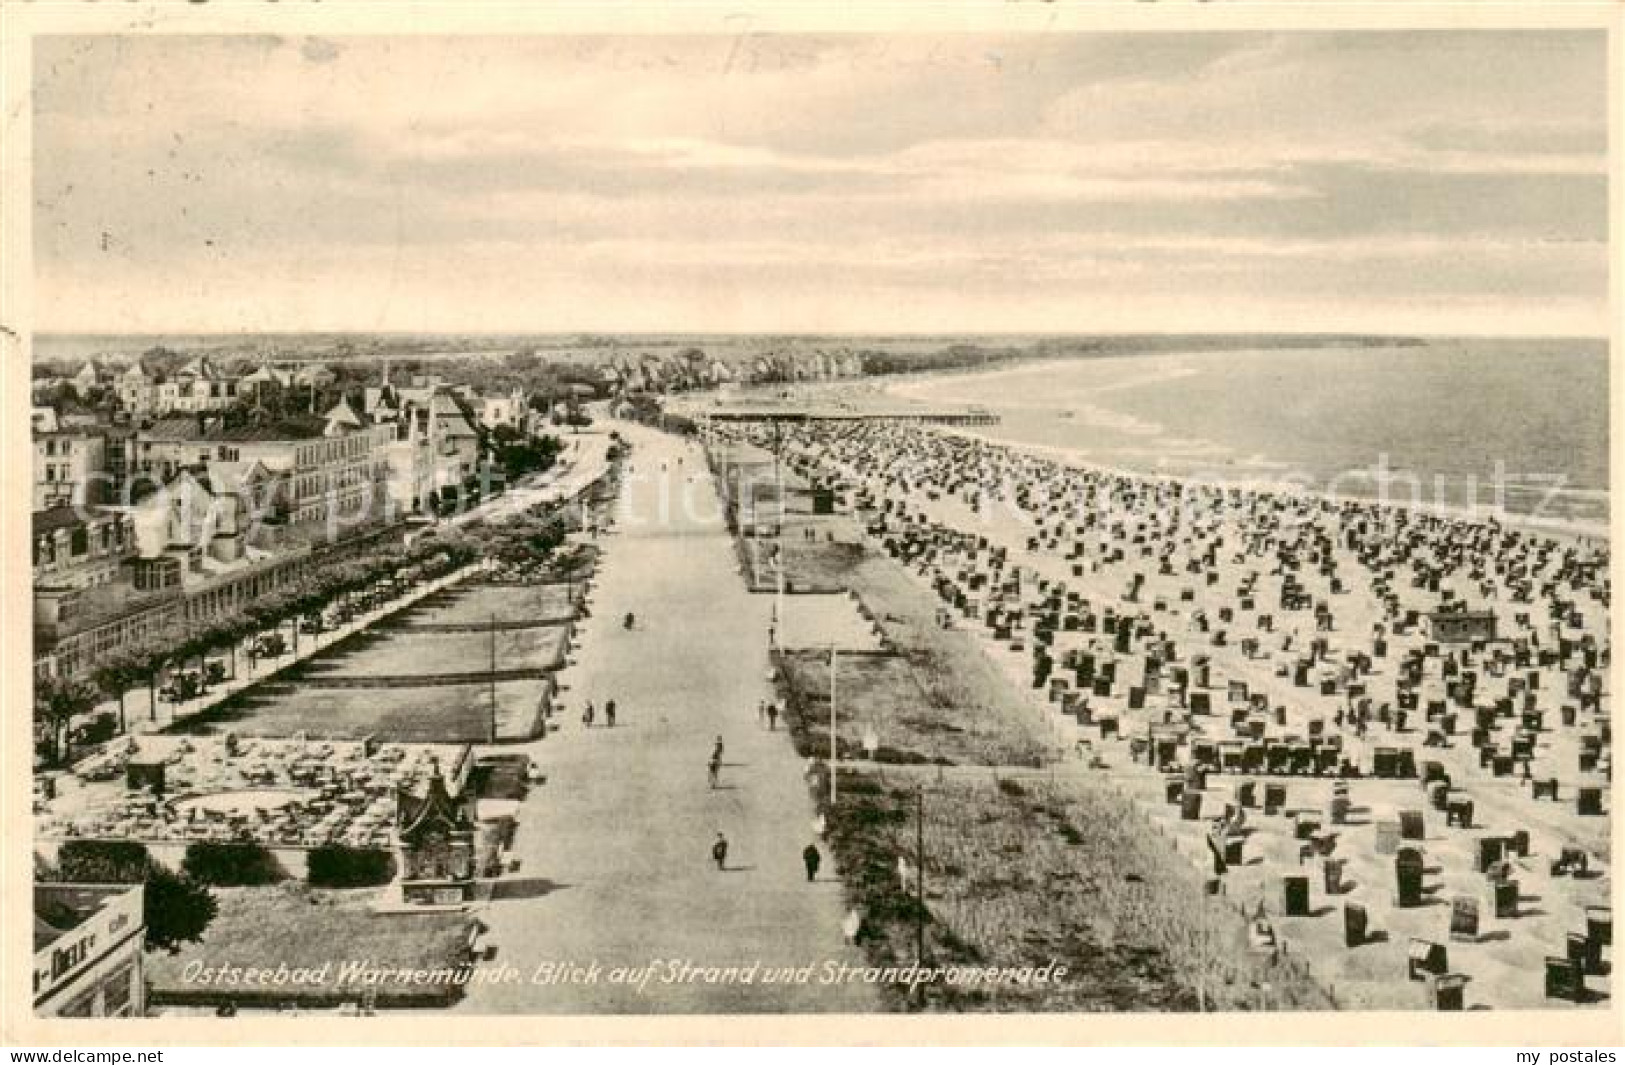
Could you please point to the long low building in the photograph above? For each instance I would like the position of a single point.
(74, 628)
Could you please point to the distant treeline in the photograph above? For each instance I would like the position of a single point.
(568, 369)
(970, 356)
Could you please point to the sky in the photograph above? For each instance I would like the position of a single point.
(1393, 182)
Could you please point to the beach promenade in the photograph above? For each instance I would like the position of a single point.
(614, 850)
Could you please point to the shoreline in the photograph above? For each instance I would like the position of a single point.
(1070, 458)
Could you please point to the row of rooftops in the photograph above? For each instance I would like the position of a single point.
(426, 398)
(201, 368)
(70, 516)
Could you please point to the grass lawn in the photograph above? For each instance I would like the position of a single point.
(458, 713)
(1022, 872)
(403, 653)
(292, 925)
(469, 604)
(938, 699)
(885, 693)
(810, 565)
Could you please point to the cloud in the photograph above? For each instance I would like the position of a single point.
(859, 176)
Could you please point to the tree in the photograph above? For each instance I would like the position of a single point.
(177, 909)
(150, 659)
(115, 677)
(525, 360)
(519, 454)
(56, 703)
(194, 645)
(229, 631)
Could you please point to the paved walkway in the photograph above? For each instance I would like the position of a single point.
(615, 847)
(584, 460)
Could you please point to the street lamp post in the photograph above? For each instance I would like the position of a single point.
(834, 750)
(778, 565)
(919, 881)
(492, 677)
(778, 480)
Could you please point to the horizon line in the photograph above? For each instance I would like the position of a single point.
(863, 334)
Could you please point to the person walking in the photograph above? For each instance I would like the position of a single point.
(716, 752)
(772, 717)
(811, 859)
(852, 925)
(719, 851)
(761, 711)
(713, 770)
(587, 715)
(609, 713)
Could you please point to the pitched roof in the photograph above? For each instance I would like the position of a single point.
(286, 427)
(67, 516)
(174, 427)
(344, 414)
(453, 414)
(413, 813)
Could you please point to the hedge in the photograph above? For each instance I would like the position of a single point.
(231, 864)
(176, 908)
(338, 866)
(102, 861)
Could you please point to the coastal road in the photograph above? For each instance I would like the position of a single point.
(584, 461)
(614, 850)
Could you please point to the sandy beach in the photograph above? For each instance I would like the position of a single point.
(1280, 624)
(912, 389)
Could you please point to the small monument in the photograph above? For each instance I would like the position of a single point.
(435, 834)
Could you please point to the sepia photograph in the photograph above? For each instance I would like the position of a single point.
(746, 520)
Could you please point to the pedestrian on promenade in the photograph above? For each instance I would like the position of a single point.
(719, 851)
(852, 925)
(587, 715)
(716, 752)
(713, 770)
(761, 711)
(609, 713)
(772, 717)
(811, 859)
